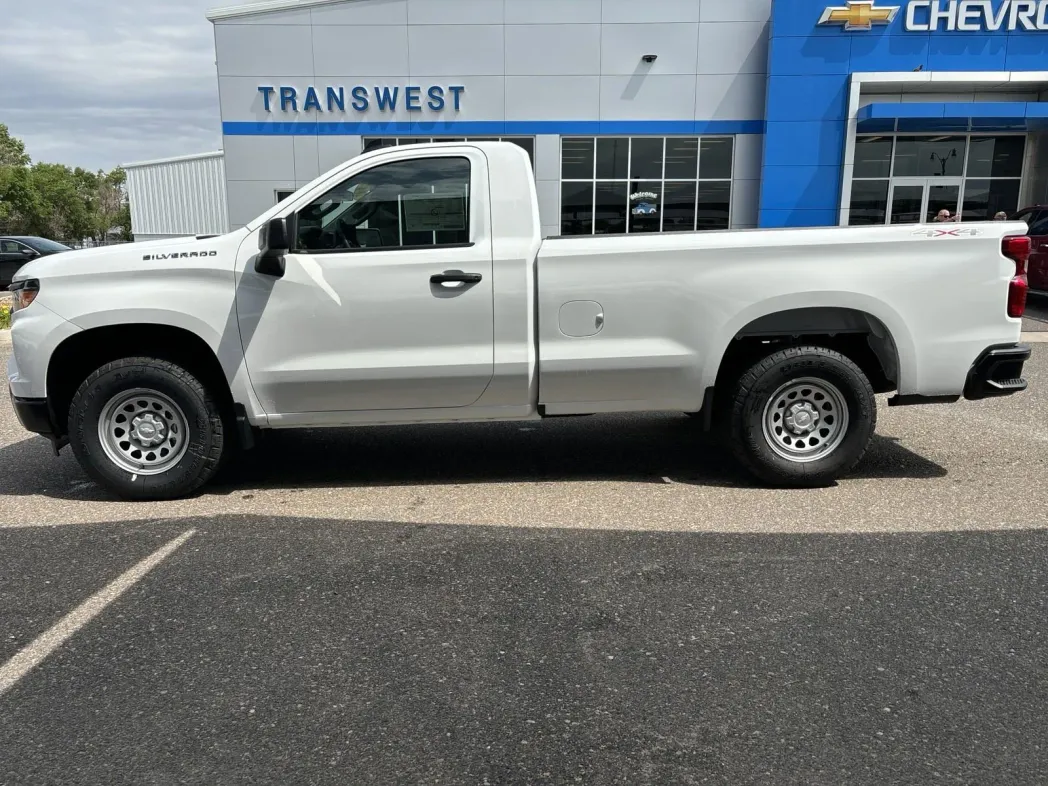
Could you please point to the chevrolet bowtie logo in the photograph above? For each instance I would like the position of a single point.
(859, 15)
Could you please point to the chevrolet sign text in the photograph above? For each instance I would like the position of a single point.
(923, 16)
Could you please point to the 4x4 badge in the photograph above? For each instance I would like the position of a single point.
(951, 232)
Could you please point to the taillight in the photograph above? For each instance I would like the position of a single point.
(1017, 249)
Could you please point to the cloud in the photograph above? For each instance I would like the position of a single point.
(110, 82)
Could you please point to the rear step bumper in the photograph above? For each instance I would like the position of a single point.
(997, 372)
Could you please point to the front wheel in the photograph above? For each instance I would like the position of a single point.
(146, 429)
(802, 417)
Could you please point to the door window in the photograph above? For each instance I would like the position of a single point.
(9, 247)
(404, 204)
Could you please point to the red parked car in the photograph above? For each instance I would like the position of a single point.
(1037, 219)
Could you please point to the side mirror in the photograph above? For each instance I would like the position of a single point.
(273, 244)
(29, 253)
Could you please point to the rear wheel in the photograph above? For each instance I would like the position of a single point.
(802, 417)
(146, 429)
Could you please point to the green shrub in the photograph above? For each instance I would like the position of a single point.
(5, 314)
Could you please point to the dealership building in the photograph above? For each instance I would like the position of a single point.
(641, 115)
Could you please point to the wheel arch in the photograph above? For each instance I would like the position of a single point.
(77, 356)
(843, 321)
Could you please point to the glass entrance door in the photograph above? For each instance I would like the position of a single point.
(920, 200)
(907, 203)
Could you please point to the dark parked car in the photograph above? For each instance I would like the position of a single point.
(16, 251)
(1036, 218)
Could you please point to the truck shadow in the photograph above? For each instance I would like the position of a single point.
(637, 449)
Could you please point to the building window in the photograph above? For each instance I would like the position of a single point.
(869, 202)
(917, 175)
(375, 143)
(937, 156)
(282, 195)
(993, 177)
(623, 185)
(403, 204)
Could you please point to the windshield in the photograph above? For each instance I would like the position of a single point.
(43, 244)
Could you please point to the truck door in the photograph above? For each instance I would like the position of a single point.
(387, 298)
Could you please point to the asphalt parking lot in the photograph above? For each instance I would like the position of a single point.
(601, 600)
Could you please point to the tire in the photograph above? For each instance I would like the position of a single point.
(802, 417)
(153, 407)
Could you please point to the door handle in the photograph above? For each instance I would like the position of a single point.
(455, 277)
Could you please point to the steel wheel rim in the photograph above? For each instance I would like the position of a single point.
(805, 420)
(143, 431)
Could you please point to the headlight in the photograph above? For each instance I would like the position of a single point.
(25, 293)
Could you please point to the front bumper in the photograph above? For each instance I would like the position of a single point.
(997, 372)
(34, 414)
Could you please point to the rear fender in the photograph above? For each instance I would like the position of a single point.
(892, 321)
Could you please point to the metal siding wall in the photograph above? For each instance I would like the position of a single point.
(520, 61)
(176, 198)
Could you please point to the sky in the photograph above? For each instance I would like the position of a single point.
(97, 83)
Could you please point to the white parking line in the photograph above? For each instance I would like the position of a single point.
(31, 656)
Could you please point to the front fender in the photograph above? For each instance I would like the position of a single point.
(35, 335)
(197, 297)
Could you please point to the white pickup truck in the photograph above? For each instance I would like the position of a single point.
(412, 285)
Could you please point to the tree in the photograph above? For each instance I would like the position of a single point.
(20, 205)
(12, 150)
(66, 214)
(110, 201)
(55, 201)
(123, 221)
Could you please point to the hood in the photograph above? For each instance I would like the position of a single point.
(125, 257)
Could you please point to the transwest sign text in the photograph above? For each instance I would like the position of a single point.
(413, 98)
